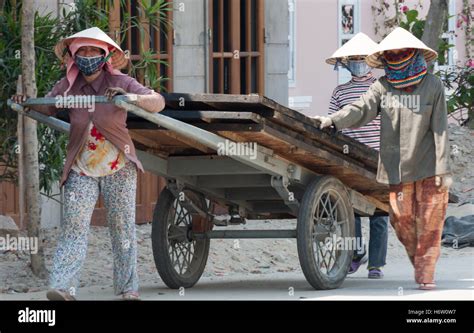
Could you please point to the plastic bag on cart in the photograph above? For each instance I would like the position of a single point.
(458, 232)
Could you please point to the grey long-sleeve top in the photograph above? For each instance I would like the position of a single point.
(413, 136)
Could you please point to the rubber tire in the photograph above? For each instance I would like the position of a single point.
(317, 279)
(160, 246)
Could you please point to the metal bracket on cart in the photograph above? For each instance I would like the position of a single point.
(187, 202)
(280, 184)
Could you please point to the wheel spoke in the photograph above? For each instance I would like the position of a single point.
(327, 210)
(324, 206)
(184, 216)
(329, 205)
(177, 256)
(333, 256)
(323, 210)
(175, 261)
(179, 218)
(333, 208)
(325, 262)
(180, 252)
(184, 266)
(183, 258)
(188, 219)
(189, 255)
(318, 255)
(172, 255)
(320, 208)
(328, 251)
(328, 266)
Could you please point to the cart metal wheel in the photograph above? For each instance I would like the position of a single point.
(325, 219)
(180, 261)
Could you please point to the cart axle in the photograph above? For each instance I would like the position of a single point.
(245, 234)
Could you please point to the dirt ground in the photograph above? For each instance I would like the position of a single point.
(227, 257)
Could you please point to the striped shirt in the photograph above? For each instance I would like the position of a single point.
(347, 93)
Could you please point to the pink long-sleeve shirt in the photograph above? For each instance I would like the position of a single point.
(109, 119)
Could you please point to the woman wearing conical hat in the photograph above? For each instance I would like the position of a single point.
(352, 56)
(100, 158)
(414, 149)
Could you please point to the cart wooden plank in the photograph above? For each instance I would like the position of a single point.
(270, 109)
(253, 118)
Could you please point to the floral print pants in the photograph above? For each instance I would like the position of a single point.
(417, 212)
(80, 197)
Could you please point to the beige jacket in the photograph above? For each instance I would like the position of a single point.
(413, 136)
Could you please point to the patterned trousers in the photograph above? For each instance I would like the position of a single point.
(417, 212)
(80, 197)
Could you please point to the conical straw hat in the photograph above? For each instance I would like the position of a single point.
(118, 59)
(399, 39)
(359, 45)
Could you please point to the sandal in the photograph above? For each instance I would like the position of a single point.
(427, 286)
(59, 295)
(375, 273)
(131, 296)
(355, 264)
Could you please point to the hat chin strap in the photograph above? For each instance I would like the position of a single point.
(109, 56)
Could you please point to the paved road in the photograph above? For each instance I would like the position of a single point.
(455, 282)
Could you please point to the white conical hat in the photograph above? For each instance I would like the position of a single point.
(359, 45)
(399, 39)
(118, 58)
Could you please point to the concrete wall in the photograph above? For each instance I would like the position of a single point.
(51, 209)
(190, 61)
(276, 50)
(47, 6)
(316, 39)
(53, 6)
(191, 42)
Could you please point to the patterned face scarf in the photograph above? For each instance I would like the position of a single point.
(89, 65)
(404, 69)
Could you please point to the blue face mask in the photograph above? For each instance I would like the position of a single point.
(358, 68)
(89, 65)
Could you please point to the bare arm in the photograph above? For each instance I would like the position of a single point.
(153, 102)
